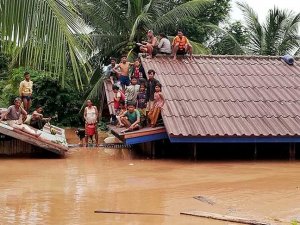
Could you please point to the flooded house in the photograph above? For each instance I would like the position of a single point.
(251, 100)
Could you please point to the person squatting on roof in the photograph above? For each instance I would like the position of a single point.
(25, 91)
(181, 45)
(37, 119)
(150, 46)
(91, 119)
(15, 116)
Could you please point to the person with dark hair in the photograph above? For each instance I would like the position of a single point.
(91, 119)
(118, 96)
(25, 91)
(150, 46)
(157, 106)
(123, 72)
(138, 71)
(131, 91)
(122, 110)
(14, 116)
(131, 118)
(164, 45)
(181, 45)
(151, 83)
(110, 72)
(37, 119)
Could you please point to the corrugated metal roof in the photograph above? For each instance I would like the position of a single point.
(229, 95)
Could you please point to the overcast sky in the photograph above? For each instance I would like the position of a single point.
(261, 7)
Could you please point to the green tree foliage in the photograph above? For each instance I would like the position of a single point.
(4, 65)
(118, 24)
(195, 27)
(63, 101)
(231, 40)
(278, 35)
(46, 35)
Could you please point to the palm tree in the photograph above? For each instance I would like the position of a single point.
(277, 36)
(45, 35)
(119, 23)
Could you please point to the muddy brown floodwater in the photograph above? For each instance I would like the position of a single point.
(68, 191)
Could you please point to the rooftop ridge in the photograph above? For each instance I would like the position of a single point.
(278, 57)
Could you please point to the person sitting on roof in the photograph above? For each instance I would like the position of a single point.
(150, 46)
(14, 116)
(157, 106)
(164, 45)
(131, 118)
(122, 110)
(181, 45)
(37, 119)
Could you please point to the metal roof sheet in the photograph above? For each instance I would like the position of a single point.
(251, 96)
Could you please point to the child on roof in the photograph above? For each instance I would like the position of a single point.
(122, 110)
(131, 91)
(157, 106)
(142, 103)
(118, 96)
(151, 83)
(122, 69)
(138, 71)
(131, 118)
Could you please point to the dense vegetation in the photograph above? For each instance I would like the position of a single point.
(64, 44)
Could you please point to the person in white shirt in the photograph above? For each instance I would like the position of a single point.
(164, 45)
(91, 119)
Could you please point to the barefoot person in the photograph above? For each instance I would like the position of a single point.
(37, 119)
(131, 118)
(181, 45)
(25, 91)
(91, 119)
(14, 116)
(150, 46)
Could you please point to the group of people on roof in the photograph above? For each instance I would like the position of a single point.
(162, 45)
(17, 116)
(137, 100)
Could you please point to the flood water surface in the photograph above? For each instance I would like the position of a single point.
(69, 190)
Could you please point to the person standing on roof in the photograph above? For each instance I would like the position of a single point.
(132, 91)
(159, 102)
(151, 83)
(25, 91)
(110, 72)
(181, 45)
(123, 73)
(164, 45)
(150, 46)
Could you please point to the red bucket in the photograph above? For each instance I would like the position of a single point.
(90, 129)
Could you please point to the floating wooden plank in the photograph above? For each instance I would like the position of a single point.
(128, 213)
(216, 216)
(204, 199)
